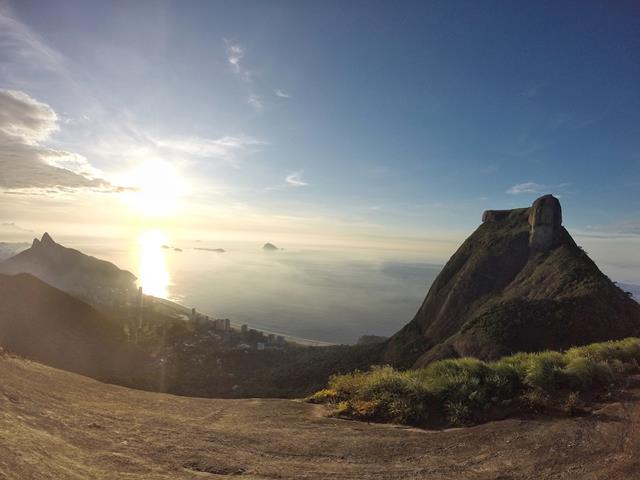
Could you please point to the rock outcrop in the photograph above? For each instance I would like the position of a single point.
(518, 283)
(495, 215)
(545, 220)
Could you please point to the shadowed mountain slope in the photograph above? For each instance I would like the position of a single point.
(69, 269)
(518, 283)
(46, 324)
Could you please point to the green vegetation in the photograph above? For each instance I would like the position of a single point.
(467, 390)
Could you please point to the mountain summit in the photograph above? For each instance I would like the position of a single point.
(69, 270)
(518, 283)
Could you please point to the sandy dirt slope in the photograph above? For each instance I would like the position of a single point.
(58, 425)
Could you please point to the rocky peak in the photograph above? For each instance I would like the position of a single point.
(46, 239)
(518, 283)
(545, 219)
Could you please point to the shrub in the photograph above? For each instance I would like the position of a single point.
(457, 413)
(322, 396)
(536, 400)
(625, 350)
(382, 393)
(460, 388)
(584, 373)
(544, 370)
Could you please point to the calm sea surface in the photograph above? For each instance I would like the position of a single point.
(327, 295)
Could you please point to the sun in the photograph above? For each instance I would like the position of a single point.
(158, 189)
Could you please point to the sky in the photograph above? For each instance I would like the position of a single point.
(361, 123)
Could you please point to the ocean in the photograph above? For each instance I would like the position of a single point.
(322, 294)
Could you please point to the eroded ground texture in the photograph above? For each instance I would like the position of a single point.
(58, 425)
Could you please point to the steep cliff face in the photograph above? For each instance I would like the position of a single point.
(518, 283)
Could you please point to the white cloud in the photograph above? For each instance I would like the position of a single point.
(527, 187)
(255, 101)
(235, 56)
(295, 180)
(25, 163)
(235, 53)
(282, 93)
(532, 187)
(24, 118)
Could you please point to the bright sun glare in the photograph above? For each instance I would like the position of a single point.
(154, 275)
(159, 189)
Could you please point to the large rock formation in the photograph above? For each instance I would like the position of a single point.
(70, 270)
(518, 283)
(545, 220)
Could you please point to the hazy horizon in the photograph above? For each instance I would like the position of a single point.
(323, 293)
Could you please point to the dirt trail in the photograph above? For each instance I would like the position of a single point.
(58, 425)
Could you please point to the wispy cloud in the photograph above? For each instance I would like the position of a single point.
(224, 148)
(281, 93)
(23, 47)
(14, 226)
(531, 90)
(295, 180)
(533, 187)
(255, 101)
(235, 56)
(527, 187)
(235, 53)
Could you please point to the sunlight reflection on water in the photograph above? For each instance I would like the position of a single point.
(154, 275)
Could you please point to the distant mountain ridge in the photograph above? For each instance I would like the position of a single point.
(9, 249)
(70, 270)
(518, 283)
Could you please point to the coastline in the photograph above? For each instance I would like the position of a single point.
(306, 342)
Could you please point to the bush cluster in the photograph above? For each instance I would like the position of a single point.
(459, 390)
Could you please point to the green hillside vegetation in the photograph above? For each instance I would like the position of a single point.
(467, 390)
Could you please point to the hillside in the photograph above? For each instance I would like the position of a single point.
(518, 283)
(58, 425)
(70, 270)
(41, 322)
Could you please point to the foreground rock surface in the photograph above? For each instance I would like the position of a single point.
(59, 425)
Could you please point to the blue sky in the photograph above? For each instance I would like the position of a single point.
(363, 119)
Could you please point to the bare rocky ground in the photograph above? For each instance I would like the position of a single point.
(59, 425)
